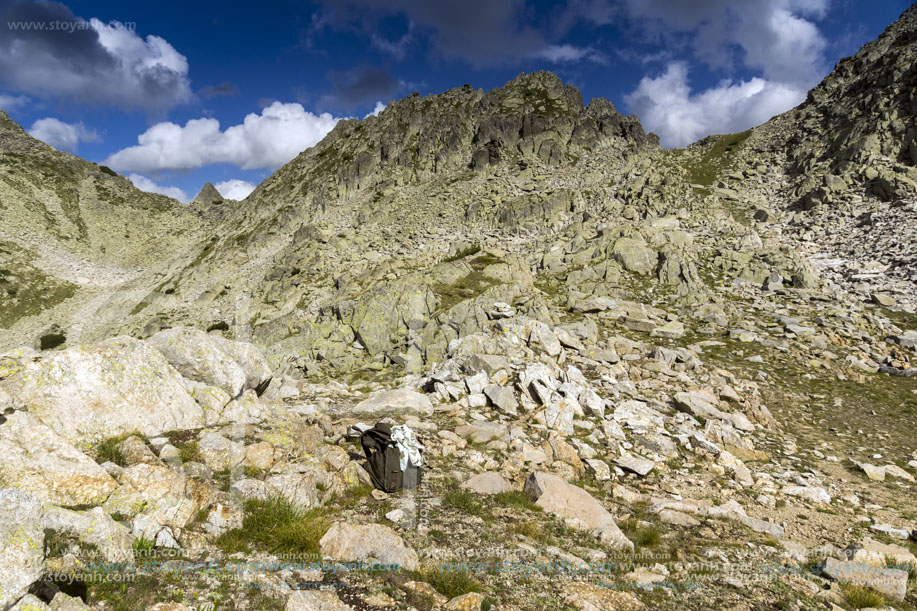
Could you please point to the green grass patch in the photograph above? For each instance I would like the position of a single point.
(515, 499)
(142, 544)
(449, 580)
(713, 160)
(641, 534)
(466, 502)
(277, 525)
(461, 254)
(353, 496)
(861, 597)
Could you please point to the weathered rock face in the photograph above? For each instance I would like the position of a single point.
(200, 357)
(38, 460)
(94, 527)
(371, 542)
(90, 393)
(867, 101)
(21, 545)
(401, 400)
(577, 507)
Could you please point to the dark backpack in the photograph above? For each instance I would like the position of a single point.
(383, 461)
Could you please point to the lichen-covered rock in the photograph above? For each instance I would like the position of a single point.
(370, 542)
(201, 357)
(37, 460)
(93, 527)
(93, 392)
(22, 557)
(634, 255)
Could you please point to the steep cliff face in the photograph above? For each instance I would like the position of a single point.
(858, 125)
(866, 105)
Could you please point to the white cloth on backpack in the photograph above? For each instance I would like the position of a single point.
(408, 445)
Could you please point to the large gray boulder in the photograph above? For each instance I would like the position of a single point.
(397, 400)
(576, 507)
(38, 460)
(249, 358)
(22, 541)
(634, 255)
(201, 357)
(370, 542)
(93, 392)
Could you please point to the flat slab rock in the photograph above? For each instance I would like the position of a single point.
(397, 400)
(640, 466)
(589, 597)
(367, 542)
(890, 582)
(489, 482)
(481, 432)
(576, 507)
(315, 600)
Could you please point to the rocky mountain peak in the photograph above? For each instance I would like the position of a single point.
(460, 130)
(863, 108)
(207, 196)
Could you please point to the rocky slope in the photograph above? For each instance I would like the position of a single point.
(75, 239)
(644, 378)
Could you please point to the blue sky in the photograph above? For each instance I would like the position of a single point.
(176, 94)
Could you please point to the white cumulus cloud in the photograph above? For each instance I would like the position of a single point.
(667, 106)
(63, 136)
(12, 102)
(235, 188)
(145, 184)
(88, 61)
(266, 140)
(379, 107)
(568, 54)
(773, 39)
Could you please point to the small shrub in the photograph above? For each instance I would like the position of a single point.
(108, 170)
(528, 529)
(450, 581)
(465, 252)
(861, 597)
(254, 472)
(108, 451)
(188, 451)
